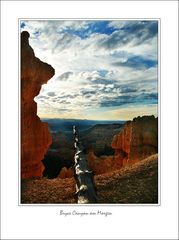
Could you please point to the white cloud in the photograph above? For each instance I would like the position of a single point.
(78, 62)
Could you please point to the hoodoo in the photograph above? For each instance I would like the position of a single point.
(35, 135)
(137, 140)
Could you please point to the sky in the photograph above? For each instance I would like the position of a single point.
(104, 69)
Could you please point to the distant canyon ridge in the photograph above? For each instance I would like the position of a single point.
(107, 146)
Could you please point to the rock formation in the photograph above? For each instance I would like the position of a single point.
(101, 164)
(66, 173)
(63, 173)
(35, 135)
(137, 140)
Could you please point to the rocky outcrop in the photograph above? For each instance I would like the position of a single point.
(137, 140)
(101, 164)
(35, 135)
(66, 173)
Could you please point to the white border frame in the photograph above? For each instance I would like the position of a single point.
(126, 222)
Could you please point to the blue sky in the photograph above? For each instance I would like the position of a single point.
(99, 27)
(103, 69)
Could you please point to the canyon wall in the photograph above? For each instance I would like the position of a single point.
(137, 140)
(35, 135)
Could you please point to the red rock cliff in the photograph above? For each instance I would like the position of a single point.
(138, 139)
(35, 135)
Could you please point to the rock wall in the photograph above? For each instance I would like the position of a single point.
(137, 140)
(35, 135)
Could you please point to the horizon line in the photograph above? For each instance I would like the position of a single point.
(83, 119)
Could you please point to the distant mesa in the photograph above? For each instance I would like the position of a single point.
(35, 135)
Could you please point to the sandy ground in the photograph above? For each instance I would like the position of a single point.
(133, 184)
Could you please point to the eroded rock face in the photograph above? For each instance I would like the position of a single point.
(137, 140)
(35, 135)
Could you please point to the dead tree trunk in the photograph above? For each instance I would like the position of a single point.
(85, 186)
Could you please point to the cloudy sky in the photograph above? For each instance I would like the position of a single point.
(103, 69)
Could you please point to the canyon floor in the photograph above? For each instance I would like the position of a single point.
(135, 184)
